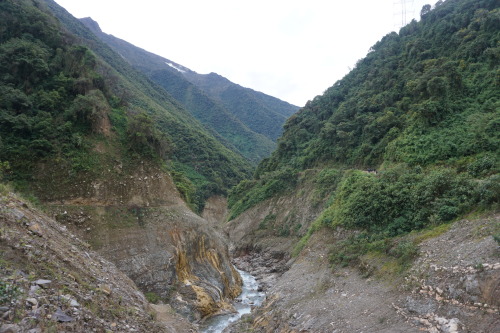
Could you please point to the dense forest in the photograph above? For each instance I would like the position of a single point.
(63, 93)
(408, 139)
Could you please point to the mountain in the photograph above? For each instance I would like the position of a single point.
(260, 112)
(200, 163)
(51, 281)
(377, 211)
(377, 189)
(420, 107)
(247, 121)
(117, 161)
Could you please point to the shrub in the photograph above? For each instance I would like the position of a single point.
(249, 193)
(152, 297)
(401, 199)
(8, 292)
(349, 251)
(497, 238)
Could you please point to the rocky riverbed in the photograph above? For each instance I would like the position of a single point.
(452, 286)
(251, 297)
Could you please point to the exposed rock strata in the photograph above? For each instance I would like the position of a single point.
(54, 282)
(137, 219)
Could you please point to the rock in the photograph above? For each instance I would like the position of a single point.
(32, 301)
(35, 330)
(18, 215)
(3, 309)
(420, 307)
(43, 283)
(72, 302)
(6, 315)
(36, 229)
(62, 317)
(105, 288)
(10, 328)
(33, 290)
(472, 285)
(450, 326)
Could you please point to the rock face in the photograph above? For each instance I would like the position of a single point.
(52, 281)
(215, 210)
(137, 219)
(275, 225)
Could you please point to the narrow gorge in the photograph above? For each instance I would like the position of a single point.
(137, 195)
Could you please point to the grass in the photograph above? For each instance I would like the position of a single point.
(5, 189)
(264, 224)
(152, 297)
(431, 232)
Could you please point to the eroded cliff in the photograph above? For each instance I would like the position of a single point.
(52, 281)
(135, 217)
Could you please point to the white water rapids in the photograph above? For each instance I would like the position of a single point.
(243, 304)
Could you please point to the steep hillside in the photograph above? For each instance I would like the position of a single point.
(187, 146)
(424, 96)
(453, 286)
(422, 109)
(250, 126)
(113, 157)
(260, 112)
(391, 179)
(51, 281)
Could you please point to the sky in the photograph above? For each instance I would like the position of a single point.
(293, 50)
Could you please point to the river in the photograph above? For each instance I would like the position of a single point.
(243, 304)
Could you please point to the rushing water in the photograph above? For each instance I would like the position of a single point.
(243, 304)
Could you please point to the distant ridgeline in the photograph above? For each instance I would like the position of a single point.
(246, 121)
(69, 100)
(422, 108)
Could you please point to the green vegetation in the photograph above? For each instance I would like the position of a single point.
(152, 297)
(264, 224)
(8, 292)
(426, 95)
(497, 238)
(402, 199)
(423, 109)
(250, 192)
(249, 125)
(259, 112)
(325, 183)
(63, 92)
(233, 132)
(351, 250)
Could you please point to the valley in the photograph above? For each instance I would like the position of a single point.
(137, 195)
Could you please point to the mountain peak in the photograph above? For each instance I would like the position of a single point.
(91, 24)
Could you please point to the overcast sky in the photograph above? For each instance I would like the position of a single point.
(293, 50)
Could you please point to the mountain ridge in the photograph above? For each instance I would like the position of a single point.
(378, 188)
(115, 159)
(236, 124)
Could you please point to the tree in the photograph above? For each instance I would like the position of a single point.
(425, 10)
(144, 137)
